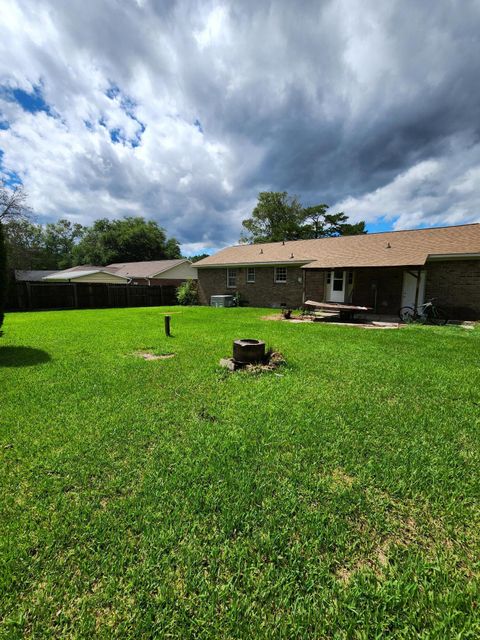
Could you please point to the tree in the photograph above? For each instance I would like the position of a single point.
(317, 223)
(13, 203)
(13, 206)
(278, 216)
(130, 239)
(59, 240)
(196, 258)
(25, 246)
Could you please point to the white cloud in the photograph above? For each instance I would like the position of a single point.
(433, 192)
(325, 100)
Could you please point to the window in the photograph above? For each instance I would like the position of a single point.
(251, 274)
(231, 278)
(280, 274)
(338, 280)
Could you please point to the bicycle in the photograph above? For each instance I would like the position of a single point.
(424, 313)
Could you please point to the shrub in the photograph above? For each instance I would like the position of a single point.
(187, 293)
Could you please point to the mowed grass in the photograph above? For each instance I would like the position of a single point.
(337, 498)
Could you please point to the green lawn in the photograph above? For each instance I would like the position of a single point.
(337, 498)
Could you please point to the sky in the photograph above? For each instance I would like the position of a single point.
(183, 111)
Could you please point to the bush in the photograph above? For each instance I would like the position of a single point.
(187, 293)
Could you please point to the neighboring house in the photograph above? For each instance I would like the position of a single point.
(155, 272)
(382, 270)
(127, 284)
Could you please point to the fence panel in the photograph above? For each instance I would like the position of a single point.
(60, 295)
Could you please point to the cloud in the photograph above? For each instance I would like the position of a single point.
(183, 111)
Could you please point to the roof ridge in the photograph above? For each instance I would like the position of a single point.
(374, 233)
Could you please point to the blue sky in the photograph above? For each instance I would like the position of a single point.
(184, 111)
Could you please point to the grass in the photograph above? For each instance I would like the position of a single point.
(172, 499)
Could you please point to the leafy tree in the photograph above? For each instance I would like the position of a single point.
(278, 216)
(317, 223)
(59, 239)
(25, 247)
(130, 239)
(196, 258)
(13, 206)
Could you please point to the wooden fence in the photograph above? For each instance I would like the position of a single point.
(27, 296)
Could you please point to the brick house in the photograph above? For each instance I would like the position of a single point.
(384, 271)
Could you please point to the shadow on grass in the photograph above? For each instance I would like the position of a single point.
(22, 357)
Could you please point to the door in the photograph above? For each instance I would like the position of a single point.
(336, 286)
(410, 287)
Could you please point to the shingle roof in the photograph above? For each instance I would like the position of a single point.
(143, 269)
(147, 269)
(393, 248)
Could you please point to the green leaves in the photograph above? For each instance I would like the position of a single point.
(130, 239)
(278, 216)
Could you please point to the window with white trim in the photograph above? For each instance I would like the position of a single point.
(231, 278)
(280, 274)
(251, 275)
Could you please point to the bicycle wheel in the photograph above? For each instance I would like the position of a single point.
(407, 314)
(438, 317)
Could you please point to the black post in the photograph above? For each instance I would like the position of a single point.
(167, 326)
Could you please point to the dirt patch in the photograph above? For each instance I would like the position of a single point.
(271, 362)
(148, 355)
(341, 480)
(369, 324)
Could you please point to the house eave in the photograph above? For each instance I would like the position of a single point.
(233, 265)
(434, 257)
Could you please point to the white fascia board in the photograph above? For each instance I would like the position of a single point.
(453, 256)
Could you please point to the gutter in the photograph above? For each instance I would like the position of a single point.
(234, 265)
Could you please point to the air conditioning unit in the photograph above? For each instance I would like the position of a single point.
(222, 301)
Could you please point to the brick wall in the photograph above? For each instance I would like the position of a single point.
(456, 286)
(264, 292)
(314, 285)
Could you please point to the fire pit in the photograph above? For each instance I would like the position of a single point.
(248, 351)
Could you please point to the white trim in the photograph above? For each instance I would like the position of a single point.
(74, 275)
(254, 275)
(232, 286)
(452, 256)
(275, 278)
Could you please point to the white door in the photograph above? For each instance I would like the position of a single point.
(410, 288)
(336, 288)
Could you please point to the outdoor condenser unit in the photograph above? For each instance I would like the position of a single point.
(222, 301)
